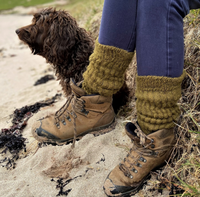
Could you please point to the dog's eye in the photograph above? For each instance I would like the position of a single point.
(27, 32)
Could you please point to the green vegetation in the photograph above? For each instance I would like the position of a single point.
(194, 17)
(84, 10)
(78, 7)
(188, 175)
(9, 4)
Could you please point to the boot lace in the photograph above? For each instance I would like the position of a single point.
(142, 149)
(63, 113)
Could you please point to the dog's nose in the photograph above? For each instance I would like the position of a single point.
(17, 31)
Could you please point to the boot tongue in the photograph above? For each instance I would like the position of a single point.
(130, 131)
(76, 89)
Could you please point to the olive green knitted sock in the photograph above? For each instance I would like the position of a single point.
(157, 102)
(105, 73)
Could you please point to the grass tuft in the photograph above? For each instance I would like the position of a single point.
(9, 4)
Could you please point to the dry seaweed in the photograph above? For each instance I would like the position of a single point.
(12, 143)
(21, 116)
(11, 139)
(44, 79)
(61, 184)
(102, 159)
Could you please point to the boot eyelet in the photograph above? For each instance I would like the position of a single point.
(152, 146)
(68, 118)
(138, 165)
(73, 114)
(84, 111)
(131, 177)
(134, 170)
(143, 159)
(57, 125)
(63, 121)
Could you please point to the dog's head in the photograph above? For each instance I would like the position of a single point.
(50, 33)
(34, 34)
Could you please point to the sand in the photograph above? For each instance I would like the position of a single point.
(92, 158)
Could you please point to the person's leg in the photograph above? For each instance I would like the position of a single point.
(159, 46)
(90, 106)
(160, 50)
(160, 60)
(113, 49)
(118, 24)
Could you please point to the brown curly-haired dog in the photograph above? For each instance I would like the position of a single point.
(56, 36)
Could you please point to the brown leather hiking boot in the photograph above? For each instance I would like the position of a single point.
(81, 114)
(148, 152)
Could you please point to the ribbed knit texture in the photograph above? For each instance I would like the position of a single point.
(157, 102)
(105, 73)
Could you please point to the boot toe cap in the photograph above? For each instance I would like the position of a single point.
(41, 134)
(111, 189)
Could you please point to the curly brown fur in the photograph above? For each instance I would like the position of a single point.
(55, 35)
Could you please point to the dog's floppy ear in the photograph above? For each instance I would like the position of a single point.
(62, 37)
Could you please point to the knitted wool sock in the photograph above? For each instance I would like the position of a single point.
(157, 102)
(105, 73)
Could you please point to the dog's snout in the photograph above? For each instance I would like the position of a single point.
(17, 31)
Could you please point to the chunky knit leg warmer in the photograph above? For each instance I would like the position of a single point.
(157, 102)
(105, 73)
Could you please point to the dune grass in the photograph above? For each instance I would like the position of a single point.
(83, 10)
(9, 4)
(194, 17)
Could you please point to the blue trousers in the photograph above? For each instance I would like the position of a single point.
(153, 27)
